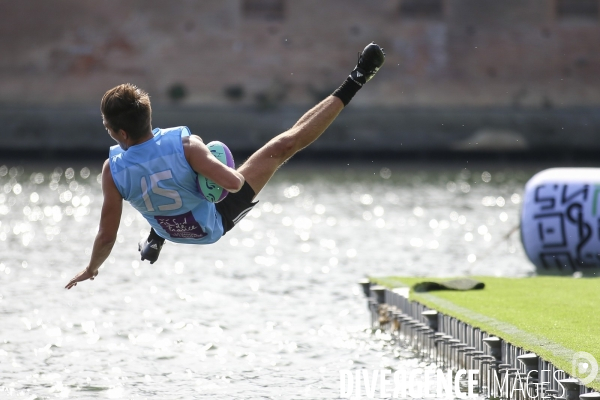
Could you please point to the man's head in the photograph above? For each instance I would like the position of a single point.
(127, 107)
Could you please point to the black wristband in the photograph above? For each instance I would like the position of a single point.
(347, 91)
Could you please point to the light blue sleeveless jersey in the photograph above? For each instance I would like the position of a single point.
(157, 180)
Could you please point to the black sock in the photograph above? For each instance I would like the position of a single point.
(347, 91)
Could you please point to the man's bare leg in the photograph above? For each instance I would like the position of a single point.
(261, 166)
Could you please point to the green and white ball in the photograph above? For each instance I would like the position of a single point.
(208, 189)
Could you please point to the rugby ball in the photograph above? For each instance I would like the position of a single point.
(208, 189)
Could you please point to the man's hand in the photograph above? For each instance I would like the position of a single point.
(82, 276)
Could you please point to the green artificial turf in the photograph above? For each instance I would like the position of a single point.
(553, 310)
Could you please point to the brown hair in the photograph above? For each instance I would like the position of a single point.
(127, 107)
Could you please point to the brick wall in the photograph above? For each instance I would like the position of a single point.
(513, 53)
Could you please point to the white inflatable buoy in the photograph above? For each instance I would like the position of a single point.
(560, 221)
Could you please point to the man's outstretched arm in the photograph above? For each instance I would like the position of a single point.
(110, 219)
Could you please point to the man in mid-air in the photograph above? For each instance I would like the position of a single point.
(156, 170)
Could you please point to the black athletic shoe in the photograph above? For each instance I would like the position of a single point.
(369, 62)
(150, 248)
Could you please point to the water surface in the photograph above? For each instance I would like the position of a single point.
(272, 311)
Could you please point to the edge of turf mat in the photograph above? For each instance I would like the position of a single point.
(554, 317)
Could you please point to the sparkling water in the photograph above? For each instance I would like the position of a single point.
(272, 311)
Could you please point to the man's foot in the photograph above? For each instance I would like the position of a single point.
(150, 248)
(369, 62)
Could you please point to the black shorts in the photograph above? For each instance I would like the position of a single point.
(235, 206)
